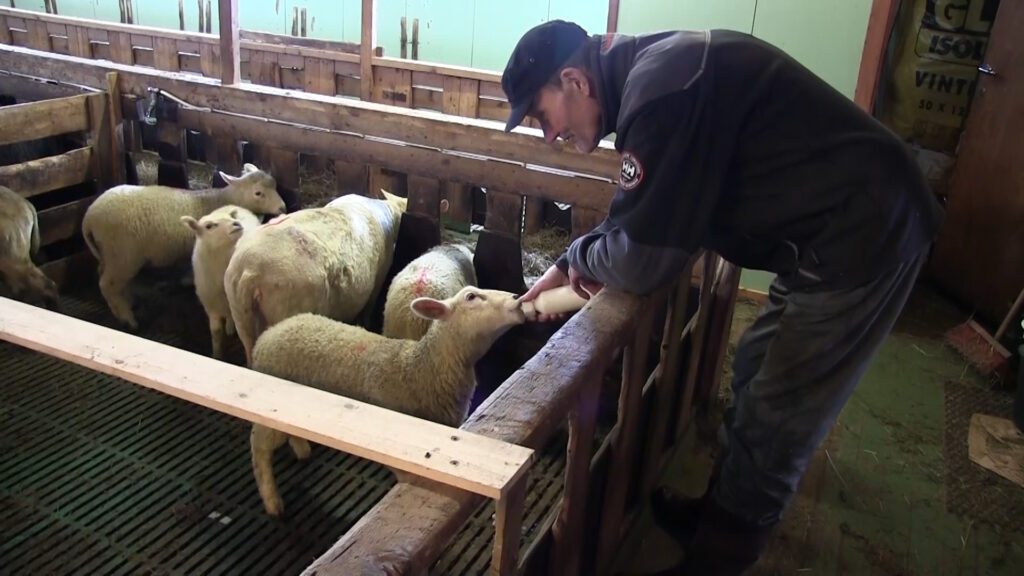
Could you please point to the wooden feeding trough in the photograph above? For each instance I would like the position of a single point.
(562, 453)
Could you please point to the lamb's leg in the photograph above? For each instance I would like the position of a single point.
(263, 441)
(217, 335)
(114, 287)
(300, 446)
(229, 325)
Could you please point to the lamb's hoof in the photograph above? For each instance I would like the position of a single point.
(300, 447)
(274, 507)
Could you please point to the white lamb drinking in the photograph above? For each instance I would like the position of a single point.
(129, 227)
(216, 236)
(430, 378)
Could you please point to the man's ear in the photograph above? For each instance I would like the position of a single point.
(577, 79)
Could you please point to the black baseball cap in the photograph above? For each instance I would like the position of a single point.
(539, 54)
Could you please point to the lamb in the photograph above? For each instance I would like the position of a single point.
(330, 261)
(216, 236)
(19, 246)
(438, 273)
(430, 378)
(129, 227)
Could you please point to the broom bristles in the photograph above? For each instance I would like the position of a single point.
(976, 346)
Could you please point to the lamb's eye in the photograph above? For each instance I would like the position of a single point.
(471, 296)
(259, 193)
(211, 226)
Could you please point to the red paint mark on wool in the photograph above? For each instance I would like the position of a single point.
(277, 220)
(421, 283)
(359, 348)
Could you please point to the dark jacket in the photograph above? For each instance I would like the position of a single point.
(730, 144)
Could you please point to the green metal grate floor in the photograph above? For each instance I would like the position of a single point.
(99, 476)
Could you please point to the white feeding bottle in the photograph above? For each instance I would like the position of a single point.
(554, 301)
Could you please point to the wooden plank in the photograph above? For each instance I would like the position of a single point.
(568, 528)
(723, 305)
(425, 197)
(38, 35)
(584, 220)
(78, 42)
(101, 141)
(284, 165)
(407, 159)
(121, 48)
(172, 170)
(5, 30)
(264, 69)
(230, 68)
(327, 45)
(685, 403)
(367, 40)
(165, 54)
(78, 269)
(25, 89)
(62, 222)
(319, 76)
(227, 156)
(667, 384)
(443, 70)
(625, 441)
(209, 60)
(475, 136)
(504, 213)
(115, 142)
(59, 44)
(350, 177)
(392, 87)
(460, 196)
(458, 458)
(507, 528)
(47, 174)
(613, 17)
(872, 59)
(534, 219)
(33, 120)
(525, 410)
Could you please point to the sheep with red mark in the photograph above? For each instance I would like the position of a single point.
(430, 378)
(130, 227)
(438, 273)
(19, 245)
(216, 236)
(331, 261)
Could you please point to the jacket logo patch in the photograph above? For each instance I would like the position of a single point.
(632, 172)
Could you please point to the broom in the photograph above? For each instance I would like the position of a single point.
(981, 350)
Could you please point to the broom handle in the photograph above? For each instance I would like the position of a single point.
(1014, 310)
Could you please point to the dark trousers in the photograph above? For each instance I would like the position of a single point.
(794, 370)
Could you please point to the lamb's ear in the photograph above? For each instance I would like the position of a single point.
(227, 177)
(444, 206)
(247, 168)
(431, 309)
(192, 223)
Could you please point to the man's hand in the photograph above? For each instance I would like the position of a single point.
(584, 287)
(552, 278)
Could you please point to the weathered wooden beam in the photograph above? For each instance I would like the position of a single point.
(38, 35)
(876, 39)
(666, 387)
(625, 439)
(117, 158)
(418, 127)
(508, 521)
(33, 120)
(459, 458)
(5, 30)
(368, 39)
(255, 38)
(525, 410)
(62, 222)
(165, 54)
(230, 67)
(78, 42)
(613, 17)
(568, 528)
(584, 220)
(407, 159)
(78, 269)
(47, 174)
(698, 341)
(504, 213)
